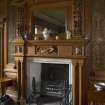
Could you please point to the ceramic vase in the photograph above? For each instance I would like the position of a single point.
(46, 33)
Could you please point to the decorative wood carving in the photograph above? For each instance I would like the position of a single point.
(77, 13)
(21, 21)
(42, 51)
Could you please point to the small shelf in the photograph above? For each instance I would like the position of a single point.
(56, 42)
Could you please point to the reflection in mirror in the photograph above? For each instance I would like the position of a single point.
(53, 20)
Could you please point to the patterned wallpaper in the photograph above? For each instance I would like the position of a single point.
(98, 34)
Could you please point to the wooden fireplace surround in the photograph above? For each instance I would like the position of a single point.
(53, 49)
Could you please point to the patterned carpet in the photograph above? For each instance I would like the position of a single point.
(47, 104)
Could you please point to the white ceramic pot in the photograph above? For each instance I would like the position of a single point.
(46, 33)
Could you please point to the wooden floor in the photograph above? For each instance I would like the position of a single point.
(47, 104)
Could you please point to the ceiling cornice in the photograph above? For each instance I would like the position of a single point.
(17, 2)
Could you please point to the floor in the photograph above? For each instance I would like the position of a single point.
(48, 104)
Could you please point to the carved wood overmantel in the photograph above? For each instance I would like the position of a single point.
(73, 49)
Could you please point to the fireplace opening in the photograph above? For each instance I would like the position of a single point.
(55, 72)
(51, 78)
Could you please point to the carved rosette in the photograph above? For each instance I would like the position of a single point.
(78, 51)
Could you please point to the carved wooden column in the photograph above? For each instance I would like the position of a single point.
(82, 83)
(23, 80)
(77, 16)
(21, 28)
(18, 67)
(79, 82)
(20, 78)
(75, 82)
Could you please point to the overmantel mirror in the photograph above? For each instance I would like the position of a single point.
(55, 20)
(51, 20)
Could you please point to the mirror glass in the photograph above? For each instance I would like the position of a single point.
(52, 19)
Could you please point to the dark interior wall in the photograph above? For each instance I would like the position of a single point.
(98, 34)
(3, 9)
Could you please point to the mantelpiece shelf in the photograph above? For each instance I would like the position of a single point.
(51, 48)
(56, 42)
(57, 57)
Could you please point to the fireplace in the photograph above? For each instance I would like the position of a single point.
(32, 57)
(51, 71)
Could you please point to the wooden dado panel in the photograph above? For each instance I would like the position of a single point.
(65, 51)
